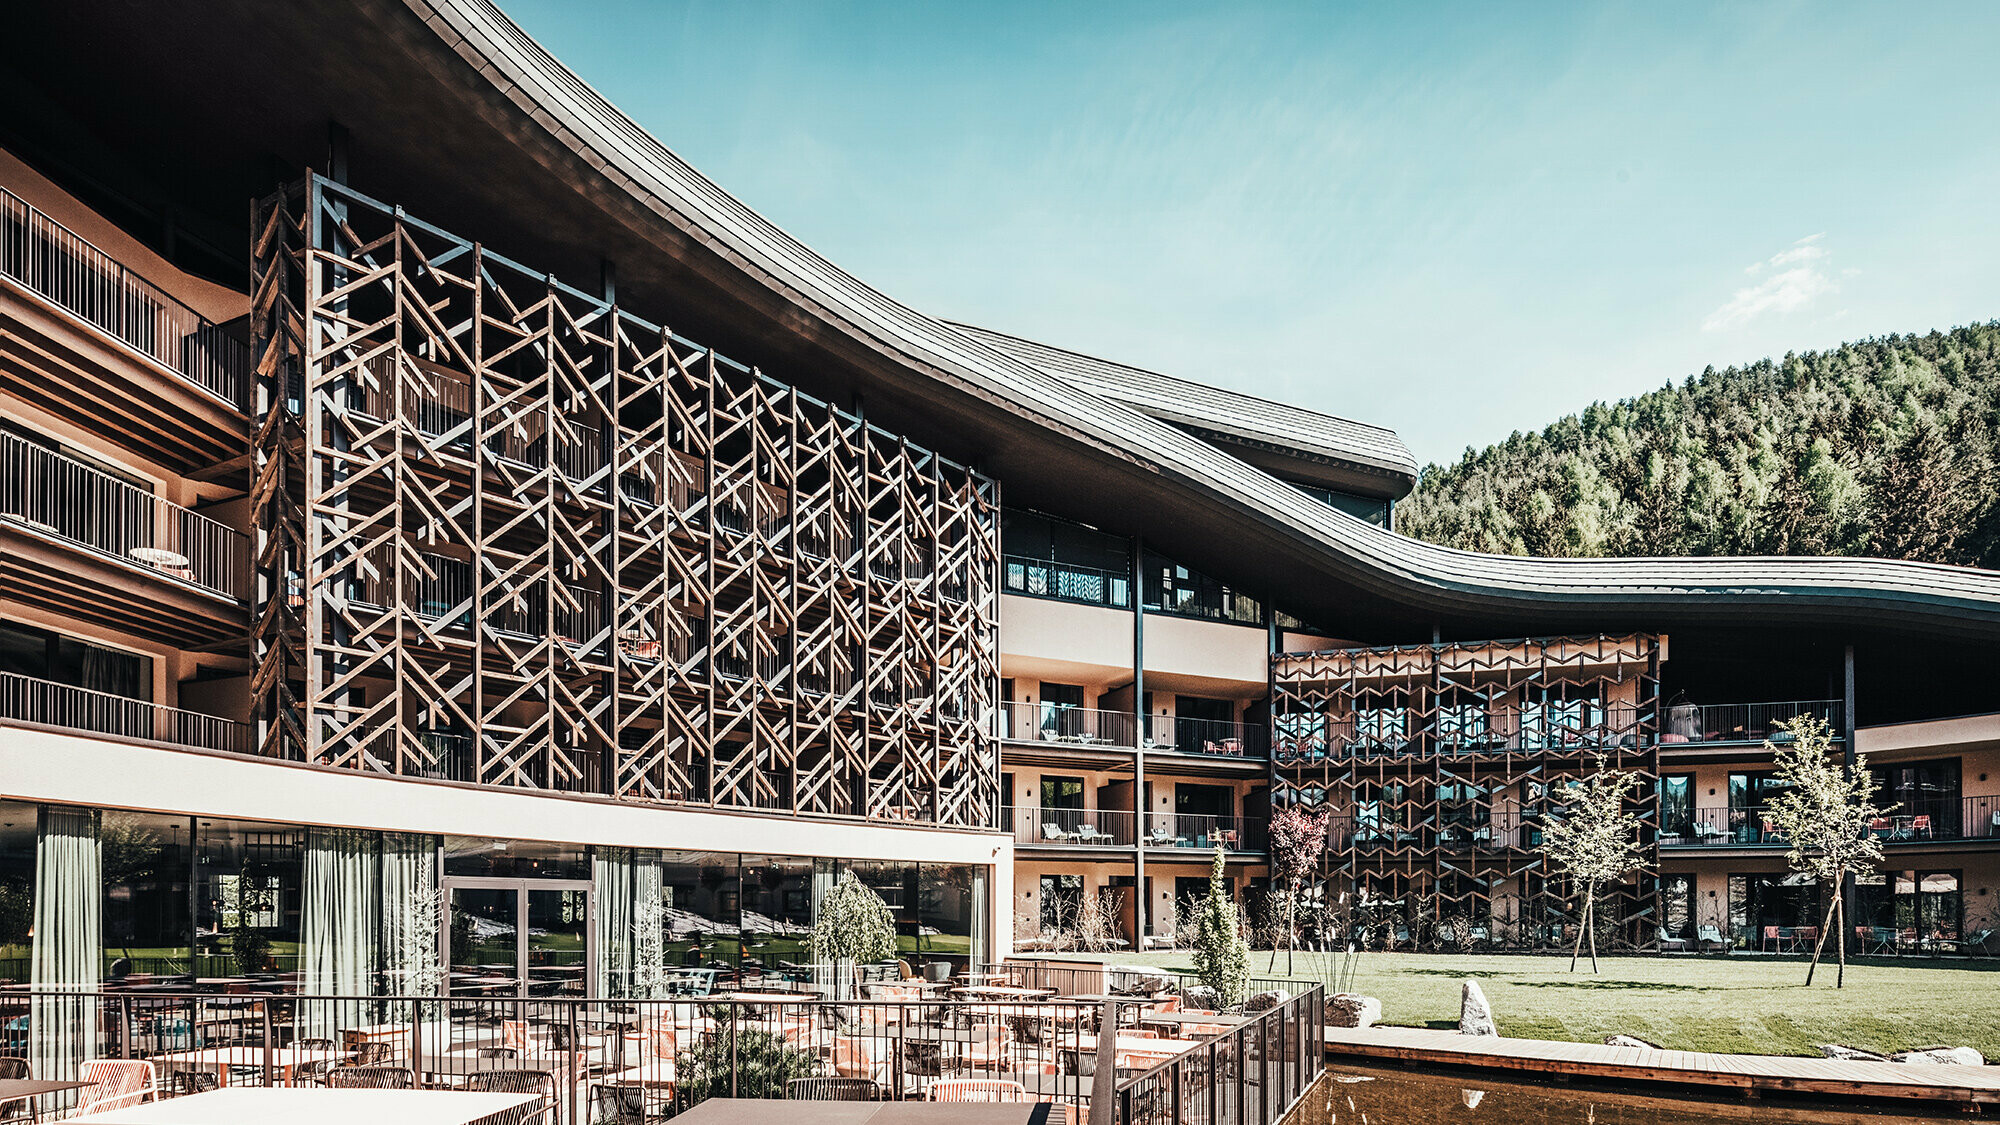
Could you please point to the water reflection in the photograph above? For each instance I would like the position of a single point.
(1359, 1096)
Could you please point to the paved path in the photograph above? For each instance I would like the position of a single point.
(1752, 1074)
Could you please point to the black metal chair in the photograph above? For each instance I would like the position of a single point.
(497, 1053)
(14, 1068)
(373, 1053)
(538, 1082)
(371, 1078)
(195, 1082)
(832, 1090)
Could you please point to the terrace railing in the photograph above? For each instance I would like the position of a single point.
(1251, 1074)
(1074, 827)
(44, 702)
(1210, 736)
(1054, 722)
(1069, 582)
(1192, 830)
(64, 498)
(1942, 818)
(56, 263)
(1741, 722)
(634, 1059)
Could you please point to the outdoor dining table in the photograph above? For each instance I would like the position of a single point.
(752, 1111)
(1218, 1018)
(18, 1089)
(219, 1060)
(314, 1106)
(998, 991)
(432, 1067)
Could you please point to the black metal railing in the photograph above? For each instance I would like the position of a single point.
(64, 498)
(630, 1059)
(1069, 582)
(58, 264)
(1205, 832)
(1940, 818)
(47, 703)
(1055, 722)
(1251, 1074)
(1074, 827)
(1210, 736)
(1742, 722)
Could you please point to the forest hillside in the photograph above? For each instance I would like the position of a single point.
(1882, 447)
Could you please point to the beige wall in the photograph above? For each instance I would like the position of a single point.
(1064, 635)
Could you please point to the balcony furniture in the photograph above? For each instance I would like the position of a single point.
(1162, 837)
(115, 1084)
(978, 1090)
(1708, 936)
(1088, 834)
(1671, 944)
(1876, 939)
(371, 1078)
(1705, 832)
(832, 1090)
(1920, 827)
(1775, 935)
(247, 1105)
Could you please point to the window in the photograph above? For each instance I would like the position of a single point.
(1061, 901)
(42, 655)
(1559, 718)
(1677, 807)
(1062, 792)
(1927, 789)
(1382, 728)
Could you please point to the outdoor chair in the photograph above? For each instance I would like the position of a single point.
(371, 1078)
(1708, 936)
(1920, 827)
(11, 1069)
(538, 1082)
(831, 1090)
(195, 1082)
(496, 1053)
(977, 1090)
(1054, 833)
(373, 1053)
(115, 1084)
(1671, 944)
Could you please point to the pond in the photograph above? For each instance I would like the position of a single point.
(1351, 1095)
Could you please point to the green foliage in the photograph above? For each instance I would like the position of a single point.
(1221, 956)
(761, 1061)
(1826, 807)
(854, 924)
(1883, 447)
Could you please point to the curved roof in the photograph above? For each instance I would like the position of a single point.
(1206, 409)
(1441, 581)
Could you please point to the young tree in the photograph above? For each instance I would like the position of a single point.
(1221, 959)
(1596, 841)
(1824, 814)
(1297, 839)
(855, 927)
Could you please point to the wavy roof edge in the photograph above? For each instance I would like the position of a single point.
(1201, 406)
(1442, 581)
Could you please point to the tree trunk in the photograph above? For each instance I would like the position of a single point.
(1840, 936)
(1590, 924)
(1577, 950)
(1820, 945)
(1291, 926)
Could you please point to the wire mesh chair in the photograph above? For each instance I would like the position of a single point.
(371, 1078)
(497, 1052)
(13, 1068)
(373, 1053)
(540, 1083)
(832, 1090)
(977, 1090)
(115, 1084)
(195, 1082)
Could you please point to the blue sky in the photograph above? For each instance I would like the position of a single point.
(1455, 220)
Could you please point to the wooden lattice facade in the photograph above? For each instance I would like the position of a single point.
(510, 534)
(1440, 763)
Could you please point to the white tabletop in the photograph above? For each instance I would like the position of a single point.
(255, 1105)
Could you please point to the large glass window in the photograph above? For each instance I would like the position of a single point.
(1677, 807)
(145, 858)
(17, 889)
(702, 900)
(777, 915)
(1062, 792)
(1927, 790)
(1766, 911)
(947, 896)
(43, 655)
(514, 859)
(248, 896)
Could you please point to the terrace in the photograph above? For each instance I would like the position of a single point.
(1029, 1032)
(1087, 728)
(1112, 828)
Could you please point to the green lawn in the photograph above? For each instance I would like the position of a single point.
(1757, 1005)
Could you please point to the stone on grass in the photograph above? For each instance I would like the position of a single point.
(1350, 1009)
(1475, 1015)
(1629, 1041)
(1850, 1054)
(1942, 1056)
(1265, 1001)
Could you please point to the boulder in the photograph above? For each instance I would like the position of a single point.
(1475, 1015)
(1201, 998)
(1629, 1041)
(1850, 1054)
(1265, 1001)
(1350, 1009)
(1942, 1056)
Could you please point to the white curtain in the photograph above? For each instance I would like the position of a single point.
(611, 880)
(342, 895)
(69, 930)
(412, 914)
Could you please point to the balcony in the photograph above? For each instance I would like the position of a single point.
(1113, 828)
(1927, 821)
(1742, 723)
(1068, 582)
(1055, 722)
(1464, 832)
(1210, 736)
(52, 261)
(46, 703)
(64, 499)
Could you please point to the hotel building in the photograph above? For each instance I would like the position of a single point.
(414, 479)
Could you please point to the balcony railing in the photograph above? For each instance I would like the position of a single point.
(1573, 726)
(30, 700)
(1467, 832)
(1742, 722)
(67, 499)
(1055, 722)
(1942, 818)
(1209, 736)
(1074, 827)
(1200, 831)
(1069, 582)
(52, 260)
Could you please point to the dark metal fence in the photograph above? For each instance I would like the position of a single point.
(633, 1060)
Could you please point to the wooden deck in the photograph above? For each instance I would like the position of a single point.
(1753, 1075)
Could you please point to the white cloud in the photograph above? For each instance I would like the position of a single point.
(1801, 278)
